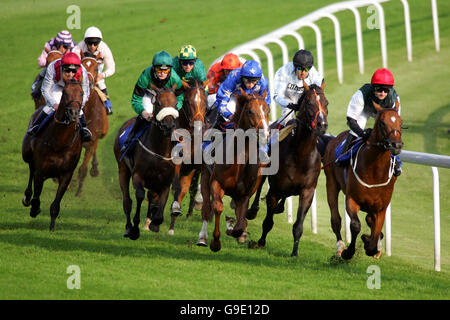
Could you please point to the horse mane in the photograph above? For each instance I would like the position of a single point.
(89, 55)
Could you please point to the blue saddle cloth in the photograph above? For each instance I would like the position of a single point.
(132, 144)
(45, 122)
(345, 158)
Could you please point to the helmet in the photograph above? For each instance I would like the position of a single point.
(64, 37)
(162, 58)
(93, 32)
(70, 58)
(251, 69)
(230, 62)
(383, 76)
(188, 52)
(303, 58)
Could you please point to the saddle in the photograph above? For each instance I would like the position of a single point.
(132, 144)
(344, 159)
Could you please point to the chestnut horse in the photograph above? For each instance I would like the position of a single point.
(194, 109)
(367, 183)
(237, 180)
(54, 153)
(97, 122)
(151, 166)
(300, 164)
(53, 55)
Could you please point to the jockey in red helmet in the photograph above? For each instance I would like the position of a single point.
(360, 108)
(58, 73)
(219, 72)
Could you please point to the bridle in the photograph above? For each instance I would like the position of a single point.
(385, 143)
(198, 112)
(245, 106)
(313, 123)
(90, 75)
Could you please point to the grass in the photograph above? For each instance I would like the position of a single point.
(34, 262)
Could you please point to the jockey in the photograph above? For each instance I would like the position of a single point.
(62, 42)
(187, 65)
(219, 72)
(159, 74)
(250, 78)
(94, 44)
(360, 108)
(288, 88)
(58, 72)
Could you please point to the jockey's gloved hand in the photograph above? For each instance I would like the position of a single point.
(293, 106)
(366, 134)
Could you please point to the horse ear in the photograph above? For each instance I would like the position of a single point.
(81, 55)
(174, 86)
(264, 95)
(377, 106)
(185, 84)
(154, 87)
(205, 83)
(98, 56)
(397, 105)
(305, 85)
(243, 93)
(322, 86)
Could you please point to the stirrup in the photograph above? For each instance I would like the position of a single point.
(86, 135)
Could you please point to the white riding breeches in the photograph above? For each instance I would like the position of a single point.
(211, 100)
(147, 103)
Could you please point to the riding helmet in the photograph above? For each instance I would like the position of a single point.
(162, 58)
(230, 62)
(70, 58)
(303, 58)
(187, 52)
(251, 69)
(93, 32)
(383, 77)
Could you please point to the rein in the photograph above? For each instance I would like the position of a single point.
(153, 153)
(197, 112)
(321, 110)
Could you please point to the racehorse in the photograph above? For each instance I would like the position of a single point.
(151, 166)
(299, 167)
(53, 55)
(237, 180)
(194, 109)
(97, 122)
(54, 153)
(367, 183)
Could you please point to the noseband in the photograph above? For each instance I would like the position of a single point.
(385, 142)
(67, 116)
(245, 106)
(313, 123)
(197, 111)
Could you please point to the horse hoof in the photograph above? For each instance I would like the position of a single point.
(253, 245)
(242, 238)
(34, 213)
(153, 227)
(215, 246)
(251, 213)
(261, 243)
(171, 232)
(347, 255)
(202, 243)
(377, 255)
(340, 246)
(278, 209)
(94, 172)
(133, 234)
(52, 226)
(198, 206)
(26, 202)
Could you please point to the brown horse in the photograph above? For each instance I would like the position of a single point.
(367, 183)
(97, 122)
(194, 110)
(239, 179)
(299, 167)
(152, 166)
(55, 152)
(39, 100)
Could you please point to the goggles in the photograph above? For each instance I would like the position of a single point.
(161, 70)
(90, 42)
(299, 68)
(187, 62)
(70, 68)
(382, 89)
(250, 80)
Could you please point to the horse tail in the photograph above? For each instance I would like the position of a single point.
(322, 143)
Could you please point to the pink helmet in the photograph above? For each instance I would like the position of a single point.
(70, 58)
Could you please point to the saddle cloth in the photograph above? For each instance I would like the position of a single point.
(345, 158)
(131, 144)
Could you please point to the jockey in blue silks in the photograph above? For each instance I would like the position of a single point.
(250, 78)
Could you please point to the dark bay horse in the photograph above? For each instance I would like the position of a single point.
(97, 122)
(368, 182)
(54, 153)
(239, 179)
(300, 164)
(193, 110)
(152, 167)
(53, 55)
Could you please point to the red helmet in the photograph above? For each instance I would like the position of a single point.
(383, 77)
(70, 58)
(230, 62)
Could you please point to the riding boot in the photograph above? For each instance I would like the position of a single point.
(397, 167)
(138, 124)
(36, 87)
(86, 134)
(348, 141)
(107, 103)
(36, 123)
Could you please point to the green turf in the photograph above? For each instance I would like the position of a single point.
(33, 262)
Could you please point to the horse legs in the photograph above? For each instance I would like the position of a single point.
(82, 171)
(271, 203)
(26, 201)
(372, 242)
(241, 223)
(158, 214)
(193, 192)
(94, 169)
(355, 226)
(38, 182)
(306, 197)
(124, 180)
(217, 205)
(333, 203)
(180, 187)
(206, 209)
(253, 211)
(55, 206)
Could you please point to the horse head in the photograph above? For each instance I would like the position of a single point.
(314, 108)
(194, 104)
(165, 109)
(90, 63)
(252, 111)
(70, 106)
(387, 132)
(53, 55)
